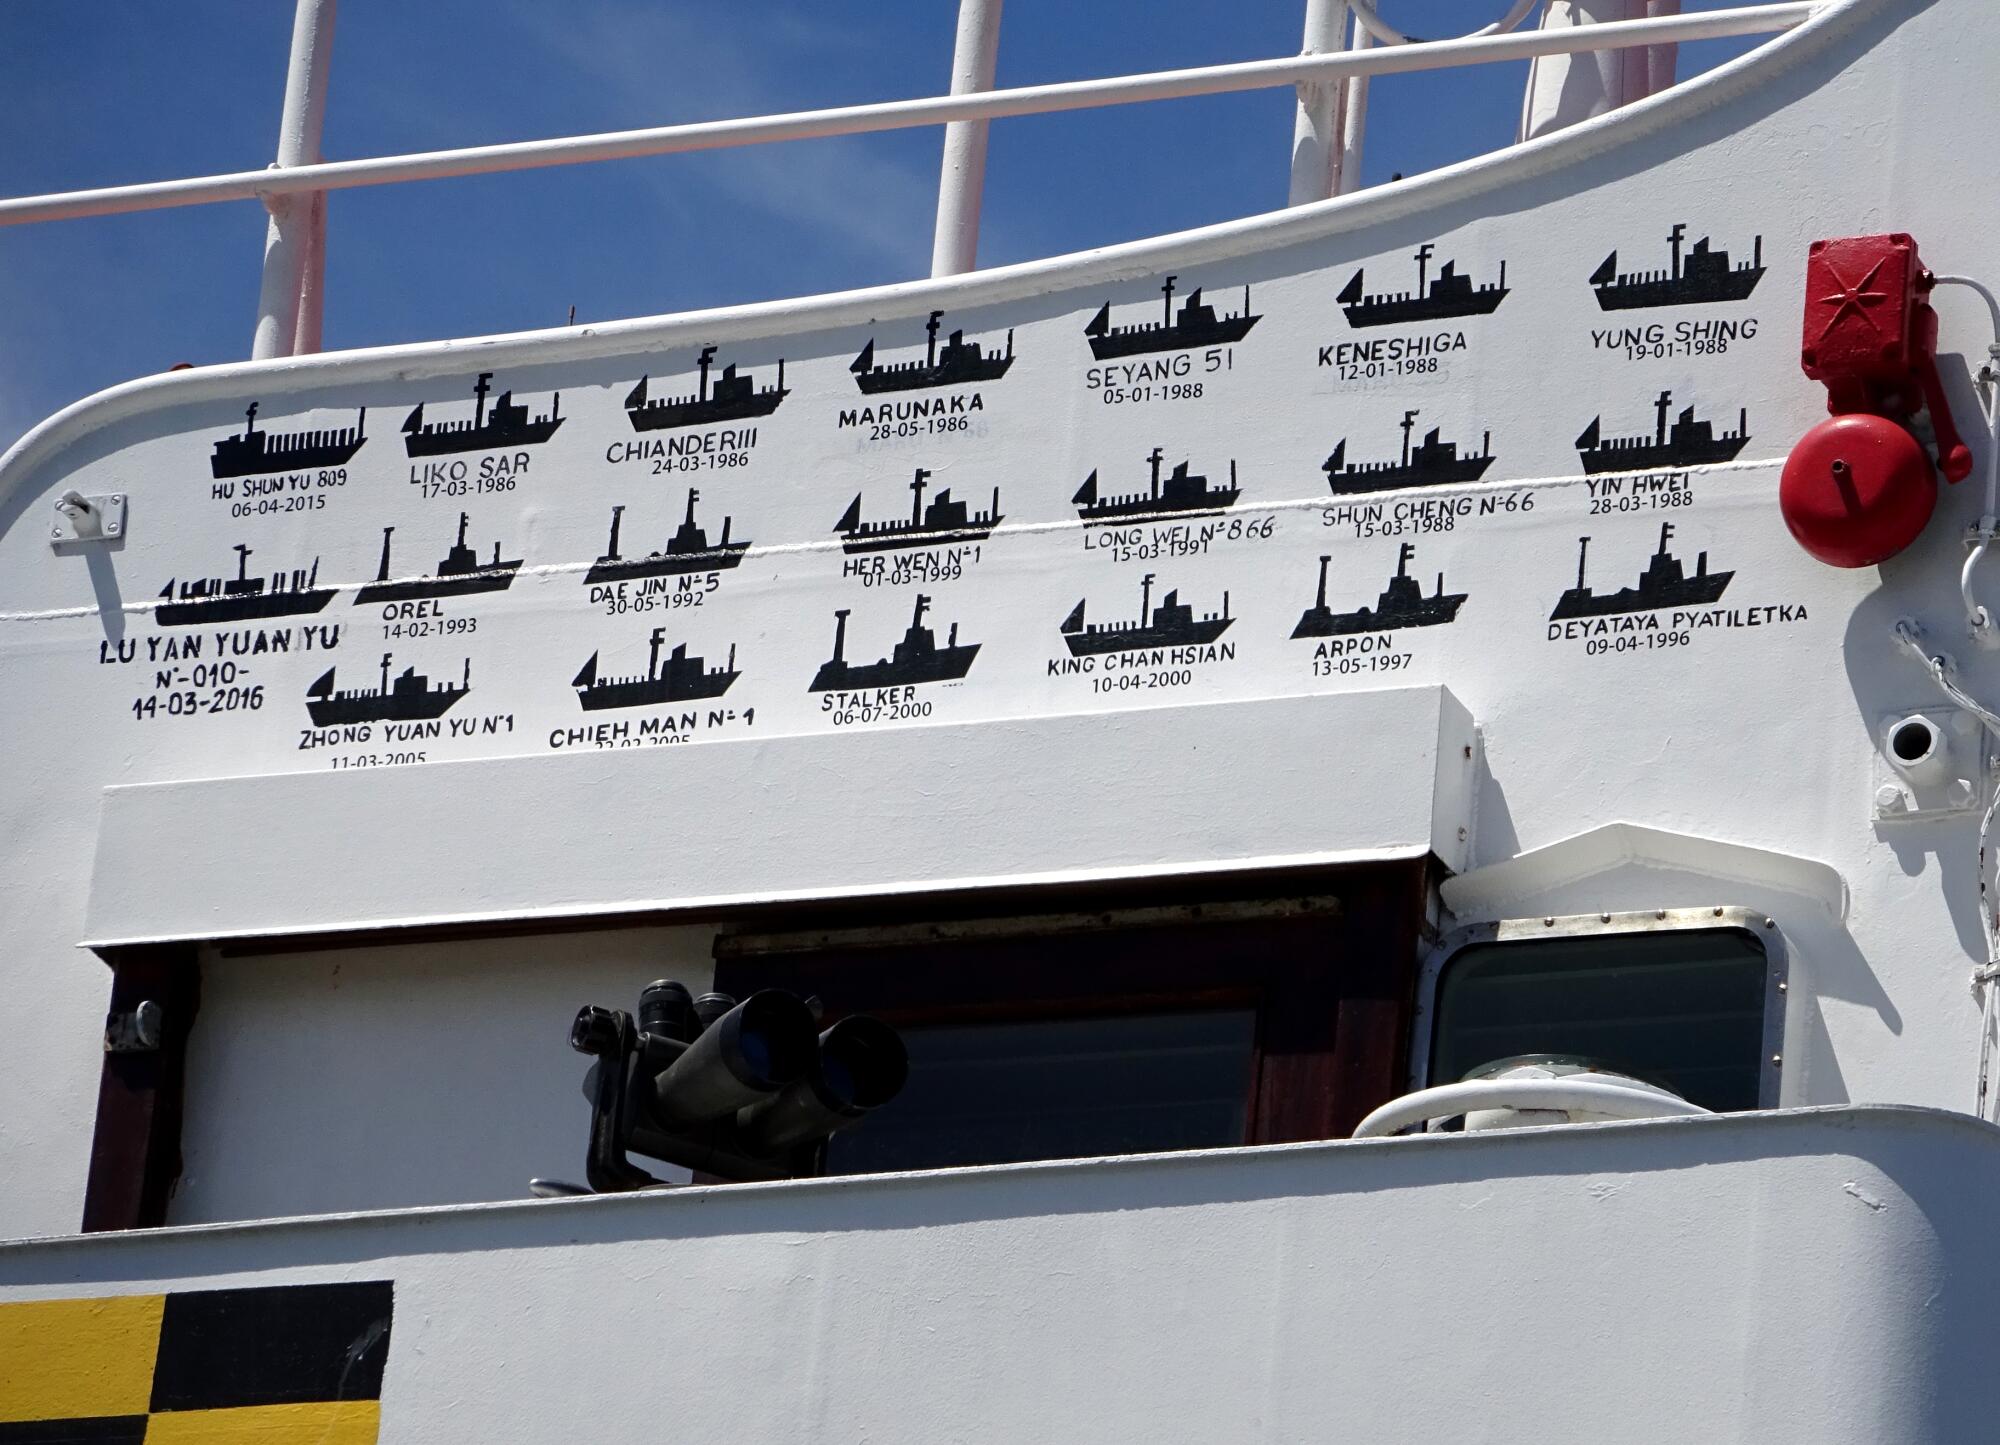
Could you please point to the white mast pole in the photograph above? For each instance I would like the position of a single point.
(1317, 149)
(962, 180)
(289, 299)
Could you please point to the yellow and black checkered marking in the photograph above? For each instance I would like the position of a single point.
(269, 1366)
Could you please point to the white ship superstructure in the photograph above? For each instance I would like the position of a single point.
(1649, 864)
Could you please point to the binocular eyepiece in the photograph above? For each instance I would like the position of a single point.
(734, 1089)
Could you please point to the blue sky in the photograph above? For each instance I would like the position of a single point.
(94, 92)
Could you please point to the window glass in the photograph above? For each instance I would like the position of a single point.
(1061, 1089)
(1683, 1009)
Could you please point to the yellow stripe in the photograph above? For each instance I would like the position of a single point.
(330, 1422)
(65, 1358)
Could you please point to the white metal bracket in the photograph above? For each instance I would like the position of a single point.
(88, 519)
(1948, 779)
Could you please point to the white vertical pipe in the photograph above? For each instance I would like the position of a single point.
(312, 280)
(1354, 119)
(962, 180)
(288, 243)
(1316, 130)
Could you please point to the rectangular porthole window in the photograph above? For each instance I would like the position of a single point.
(1693, 1009)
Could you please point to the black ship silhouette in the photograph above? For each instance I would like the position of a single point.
(959, 361)
(1402, 604)
(1177, 494)
(1430, 463)
(1704, 275)
(461, 572)
(505, 424)
(917, 658)
(731, 399)
(254, 452)
(232, 599)
(683, 679)
(1664, 583)
(1171, 624)
(410, 698)
(1449, 295)
(944, 520)
(688, 551)
(1688, 443)
(1197, 325)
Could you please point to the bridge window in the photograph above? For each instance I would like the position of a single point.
(1695, 1009)
(1079, 1036)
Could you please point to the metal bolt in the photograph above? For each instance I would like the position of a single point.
(1776, 1060)
(1717, 912)
(1461, 835)
(1603, 918)
(1468, 750)
(56, 532)
(1661, 915)
(1770, 923)
(1783, 986)
(1548, 923)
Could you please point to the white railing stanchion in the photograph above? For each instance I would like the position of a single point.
(1354, 118)
(962, 178)
(1285, 73)
(1317, 142)
(289, 241)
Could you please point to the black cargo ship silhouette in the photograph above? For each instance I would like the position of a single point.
(1197, 325)
(1449, 295)
(252, 452)
(1704, 275)
(683, 679)
(1687, 443)
(1171, 624)
(233, 599)
(959, 361)
(688, 551)
(461, 572)
(1177, 494)
(917, 658)
(733, 398)
(1402, 604)
(945, 520)
(505, 424)
(410, 698)
(1664, 583)
(1430, 463)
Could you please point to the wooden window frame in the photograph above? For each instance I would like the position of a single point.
(1332, 983)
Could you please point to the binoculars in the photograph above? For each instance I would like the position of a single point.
(741, 1091)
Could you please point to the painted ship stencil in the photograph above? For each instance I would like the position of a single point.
(1687, 443)
(505, 424)
(1179, 494)
(411, 697)
(683, 679)
(251, 453)
(459, 574)
(1402, 604)
(1450, 294)
(1197, 325)
(1703, 275)
(732, 398)
(946, 519)
(688, 550)
(1664, 583)
(1171, 624)
(916, 659)
(957, 362)
(233, 599)
(1429, 463)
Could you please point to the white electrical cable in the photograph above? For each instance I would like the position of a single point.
(1985, 978)
(1977, 617)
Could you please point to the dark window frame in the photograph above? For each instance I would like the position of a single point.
(1332, 981)
(1720, 918)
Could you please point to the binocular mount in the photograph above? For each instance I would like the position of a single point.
(742, 1091)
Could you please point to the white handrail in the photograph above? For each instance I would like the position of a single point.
(905, 114)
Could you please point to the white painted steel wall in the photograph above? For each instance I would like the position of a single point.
(1756, 735)
(1822, 1276)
